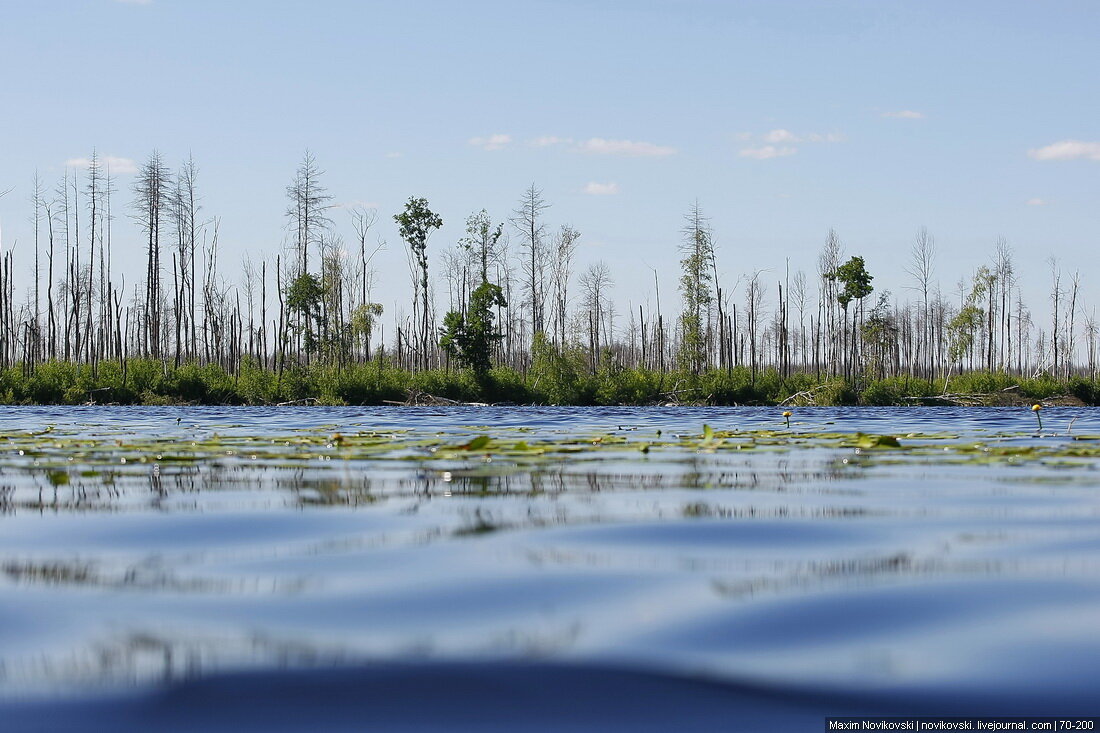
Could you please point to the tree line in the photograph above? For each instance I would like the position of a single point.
(508, 293)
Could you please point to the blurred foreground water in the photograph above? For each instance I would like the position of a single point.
(605, 568)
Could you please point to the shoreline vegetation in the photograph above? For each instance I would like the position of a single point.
(500, 312)
(139, 381)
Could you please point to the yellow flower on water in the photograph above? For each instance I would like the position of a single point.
(1036, 407)
(787, 413)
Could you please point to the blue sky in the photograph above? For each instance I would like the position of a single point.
(976, 119)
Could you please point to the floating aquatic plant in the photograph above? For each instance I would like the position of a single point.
(876, 441)
(477, 443)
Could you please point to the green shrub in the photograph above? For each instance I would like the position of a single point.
(882, 392)
(1086, 390)
(507, 385)
(836, 391)
(557, 376)
(1042, 387)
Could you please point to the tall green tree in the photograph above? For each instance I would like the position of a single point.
(304, 297)
(416, 223)
(966, 323)
(856, 282)
(470, 338)
(363, 320)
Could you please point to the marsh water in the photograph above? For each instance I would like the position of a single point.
(812, 568)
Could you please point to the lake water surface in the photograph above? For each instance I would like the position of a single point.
(603, 568)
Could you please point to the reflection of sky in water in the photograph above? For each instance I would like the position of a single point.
(814, 565)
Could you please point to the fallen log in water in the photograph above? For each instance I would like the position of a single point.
(1008, 397)
(424, 399)
(805, 398)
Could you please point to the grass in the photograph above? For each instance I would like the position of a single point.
(552, 381)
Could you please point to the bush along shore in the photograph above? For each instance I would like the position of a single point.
(153, 382)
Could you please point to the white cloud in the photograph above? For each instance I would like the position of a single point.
(117, 166)
(548, 140)
(601, 189)
(600, 146)
(1067, 150)
(905, 114)
(394, 154)
(1036, 202)
(767, 151)
(496, 141)
(781, 142)
(781, 136)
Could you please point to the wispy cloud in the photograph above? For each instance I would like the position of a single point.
(117, 166)
(781, 136)
(497, 141)
(394, 154)
(1067, 150)
(605, 146)
(1036, 202)
(630, 148)
(601, 189)
(905, 114)
(549, 140)
(134, 2)
(767, 151)
(780, 142)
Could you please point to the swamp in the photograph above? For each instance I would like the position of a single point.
(548, 366)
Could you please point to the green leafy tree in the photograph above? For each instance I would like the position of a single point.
(856, 280)
(470, 338)
(416, 223)
(321, 335)
(304, 296)
(963, 326)
(363, 320)
(857, 286)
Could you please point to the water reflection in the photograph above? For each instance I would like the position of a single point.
(32, 488)
(145, 657)
(241, 552)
